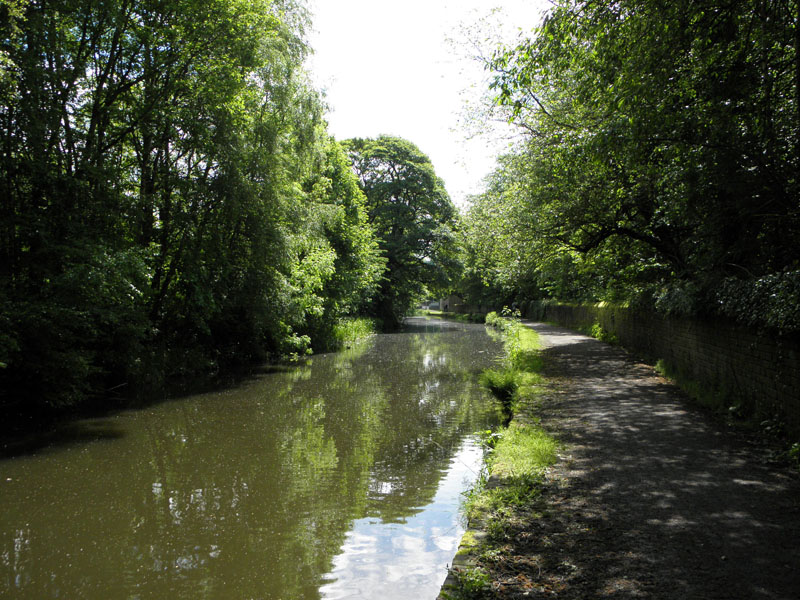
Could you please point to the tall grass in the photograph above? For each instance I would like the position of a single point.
(519, 373)
(520, 452)
(351, 330)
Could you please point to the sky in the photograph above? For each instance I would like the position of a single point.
(403, 68)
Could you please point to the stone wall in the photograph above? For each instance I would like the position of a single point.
(733, 366)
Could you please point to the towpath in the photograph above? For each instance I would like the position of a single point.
(650, 498)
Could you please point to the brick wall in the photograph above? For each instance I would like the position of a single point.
(757, 371)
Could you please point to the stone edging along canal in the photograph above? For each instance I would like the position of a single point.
(466, 557)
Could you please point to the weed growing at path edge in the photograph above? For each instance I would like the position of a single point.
(517, 459)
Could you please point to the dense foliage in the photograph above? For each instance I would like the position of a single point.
(660, 161)
(414, 219)
(171, 202)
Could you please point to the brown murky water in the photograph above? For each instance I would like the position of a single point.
(339, 478)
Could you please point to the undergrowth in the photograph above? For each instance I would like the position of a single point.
(351, 330)
(471, 584)
(599, 333)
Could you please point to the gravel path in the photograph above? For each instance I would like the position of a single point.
(650, 499)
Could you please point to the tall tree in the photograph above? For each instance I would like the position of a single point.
(413, 217)
(169, 199)
(339, 223)
(662, 145)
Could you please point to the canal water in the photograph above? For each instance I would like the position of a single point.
(336, 478)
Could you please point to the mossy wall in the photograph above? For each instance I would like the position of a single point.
(725, 364)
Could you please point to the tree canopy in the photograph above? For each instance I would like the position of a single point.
(413, 217)
(172, 204)
(660, 158)
(171, 201)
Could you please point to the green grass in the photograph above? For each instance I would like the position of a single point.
(518, 457)
(471, 584)
(518, 378)
(522, 451)
(518, 460)
(351, 330)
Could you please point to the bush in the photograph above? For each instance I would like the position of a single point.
(493, 319)
(353, 329)
(771, 301)
(501, 382)
(601, 334)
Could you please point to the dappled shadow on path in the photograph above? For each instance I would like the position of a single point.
(650, 498)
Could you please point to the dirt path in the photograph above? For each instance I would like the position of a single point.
(650, 499)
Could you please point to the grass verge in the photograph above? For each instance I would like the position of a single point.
(518, 455)
(516, 463)
(518, 376)
(350, 330)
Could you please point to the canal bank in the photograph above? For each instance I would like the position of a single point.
(649, 498)
(519, 456)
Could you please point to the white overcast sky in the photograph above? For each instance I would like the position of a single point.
(401, 68)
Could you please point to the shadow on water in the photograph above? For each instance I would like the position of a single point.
(269, 488)
(30, 432)
(74, 433)
(33, 433)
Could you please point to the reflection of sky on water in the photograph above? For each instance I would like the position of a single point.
(250, 491)
(406, 560)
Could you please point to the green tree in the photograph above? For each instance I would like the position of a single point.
(662, 146)
(11, 13)
(338, 219)
(171, 202)
(413, 217)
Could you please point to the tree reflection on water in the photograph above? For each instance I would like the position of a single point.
(253, 491)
